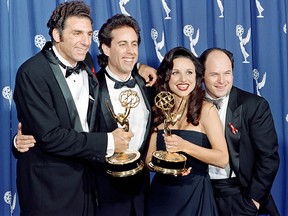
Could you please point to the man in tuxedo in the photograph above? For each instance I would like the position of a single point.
(243, 188)
(119, 40)
(56, 96)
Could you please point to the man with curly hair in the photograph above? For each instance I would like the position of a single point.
(56, 95)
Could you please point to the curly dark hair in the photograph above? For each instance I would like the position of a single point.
(104, 35)
(65, 10)
(196, 97)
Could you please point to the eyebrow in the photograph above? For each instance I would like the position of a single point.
(125, 41)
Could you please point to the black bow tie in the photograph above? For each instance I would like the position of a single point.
(69, 70)
(216, 102)
(118, 84)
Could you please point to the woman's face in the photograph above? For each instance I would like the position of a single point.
(183, 77)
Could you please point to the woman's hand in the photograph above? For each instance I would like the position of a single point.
(186, 171)
(174, 143)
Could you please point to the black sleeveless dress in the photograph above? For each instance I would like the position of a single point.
(183, 195)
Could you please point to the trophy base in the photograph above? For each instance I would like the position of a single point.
(168, 163)
(123, 164)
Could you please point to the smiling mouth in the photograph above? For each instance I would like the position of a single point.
(82, 50)
(220, 87)
(129, 60)
(183, 87)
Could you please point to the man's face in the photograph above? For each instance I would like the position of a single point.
(123, 52)
(183, 77)
(218, 76)
(76, 39)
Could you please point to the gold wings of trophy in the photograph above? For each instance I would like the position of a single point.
(128, 163)
(163, 161)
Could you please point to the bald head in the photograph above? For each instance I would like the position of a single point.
(218, 71)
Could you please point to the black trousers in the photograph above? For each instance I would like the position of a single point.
(231, 200)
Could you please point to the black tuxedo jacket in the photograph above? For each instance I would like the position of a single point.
(253, 149)
(118, 196)
(52, 177)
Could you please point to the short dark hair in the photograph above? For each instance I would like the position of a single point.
(65, 10)
(164, 72)
(104, 35)
(206, 53)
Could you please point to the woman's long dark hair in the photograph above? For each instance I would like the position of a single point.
(195, 98)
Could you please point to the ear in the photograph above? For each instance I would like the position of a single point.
(106, 49)
(56, 35)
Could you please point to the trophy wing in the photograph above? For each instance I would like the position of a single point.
(161, 43)
(195, 41)
(247, 38)
(262, 83)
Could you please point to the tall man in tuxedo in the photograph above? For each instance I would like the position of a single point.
(119, 41)
(243, 188)
(56, 96)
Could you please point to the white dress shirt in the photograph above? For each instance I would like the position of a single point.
(216, 172)
(79, 88)
(138, 117)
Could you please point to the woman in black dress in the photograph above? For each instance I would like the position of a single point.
(198, 134)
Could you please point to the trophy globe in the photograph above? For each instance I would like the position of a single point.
(163, 161)
(128, 163)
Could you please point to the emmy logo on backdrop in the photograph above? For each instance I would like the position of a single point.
(128, 163)
(163, 161)
(243, 41)
(95, 37)
(158, 46)
(39, 41)
(261, 84)
(167, 9)
(10, 200)
(122, 3)
(259, 8)
(8, 94)
(188, 30)
(221, 8)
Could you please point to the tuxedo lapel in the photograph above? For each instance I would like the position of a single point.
(140, 82)
(93, 95)
(74, 117)
(233, 129)
(143, 89)
(104, 98)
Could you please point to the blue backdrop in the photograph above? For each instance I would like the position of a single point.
(255, 31)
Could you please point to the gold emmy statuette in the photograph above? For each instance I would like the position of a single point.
(128, 163)
(163, 161)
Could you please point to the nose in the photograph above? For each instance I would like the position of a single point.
(86, 39)
(183, 77)
(132, 49)
(221, 79)
(129, 49)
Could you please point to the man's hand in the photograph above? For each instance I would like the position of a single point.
(23, 142)
(148, 73)
(121, 139)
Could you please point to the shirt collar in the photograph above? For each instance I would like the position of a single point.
(64, 61)
(116, 77)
